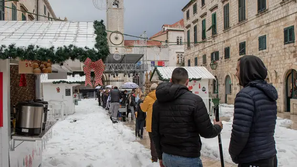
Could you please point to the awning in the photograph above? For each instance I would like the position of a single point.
(47, 34)
(126, 58)
(195, 73)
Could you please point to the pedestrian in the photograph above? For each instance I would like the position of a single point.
(255, 112)
(115, 97)
(179, 119)
(99, 96)
(132, 104)
(147, 106)
(104, 99)
(140, 118)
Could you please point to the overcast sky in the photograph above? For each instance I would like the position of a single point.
(140, 15)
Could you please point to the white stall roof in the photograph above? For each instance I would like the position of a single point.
(195, 73)
(70, 78)
(47, 34)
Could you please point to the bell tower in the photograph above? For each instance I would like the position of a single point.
(115, 23)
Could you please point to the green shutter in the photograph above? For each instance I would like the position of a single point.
(203, 29)
(196, 61)
(188, 39)
(14, 15)
(289, 35)
(195, 34)
(214, 23)
(217, 55)
(204, 59)
(195, 8)
(189, 62)
(24, 18)
(227, 53)
(226, 16)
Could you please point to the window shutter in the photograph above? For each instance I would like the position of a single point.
(285, 35)
(217, 56)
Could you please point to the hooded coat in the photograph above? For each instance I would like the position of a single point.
(147, 106)
(255, 114)
(179, 119)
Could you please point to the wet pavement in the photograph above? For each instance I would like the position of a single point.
(207, 162)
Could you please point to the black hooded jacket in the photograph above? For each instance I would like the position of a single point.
(179, 119)
(255, 114)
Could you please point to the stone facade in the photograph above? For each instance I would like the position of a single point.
(44, 11)
(278, 57)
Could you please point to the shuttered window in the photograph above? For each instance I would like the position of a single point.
(289, 35)
(261, 5)
(226, 17)
(195, 34)
(262, 42)
(203, 29)
(189, 62)
(214, 24)
(215, 56)
(196, 61)
(194, 8)
(241, 10)
(188, 39)
(24, 18)
(242, 48)
(227, 53)
(14, 14)
(204, 59)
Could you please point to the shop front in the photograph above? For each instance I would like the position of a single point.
(27, 114)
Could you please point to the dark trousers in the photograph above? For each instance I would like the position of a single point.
(271, 162)
(99, 100)
(139, 128)
(153, 149)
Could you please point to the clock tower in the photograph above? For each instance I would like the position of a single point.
(115, 23)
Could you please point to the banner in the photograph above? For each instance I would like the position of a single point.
(1, 99)
(161, 63)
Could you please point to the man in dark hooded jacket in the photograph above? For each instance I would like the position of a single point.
(179, 119)
(252, 140)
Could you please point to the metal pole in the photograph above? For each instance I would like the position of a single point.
(219, 136)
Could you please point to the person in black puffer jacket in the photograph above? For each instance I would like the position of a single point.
(252, 141)
(179, 119)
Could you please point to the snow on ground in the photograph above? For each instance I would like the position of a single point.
(285, 140)
(93, 141)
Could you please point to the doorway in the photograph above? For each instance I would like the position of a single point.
(291, 88)
(228, 87)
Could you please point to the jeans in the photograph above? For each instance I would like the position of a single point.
(139, 128)
(178, 161)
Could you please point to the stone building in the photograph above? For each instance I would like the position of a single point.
(27, 10)
(218, 32)
(172, 36)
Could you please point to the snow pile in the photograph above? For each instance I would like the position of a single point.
(89, 139)
(285, 141)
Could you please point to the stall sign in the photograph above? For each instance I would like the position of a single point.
(35, 67)
(1, 99)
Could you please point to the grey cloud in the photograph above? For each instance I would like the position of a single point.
(140, 15)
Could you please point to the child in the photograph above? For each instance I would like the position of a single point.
(140, 119)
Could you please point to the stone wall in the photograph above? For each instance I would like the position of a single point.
(278, 57)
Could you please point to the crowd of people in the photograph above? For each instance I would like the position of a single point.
(175, 118)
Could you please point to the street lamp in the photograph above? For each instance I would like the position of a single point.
(213, 65)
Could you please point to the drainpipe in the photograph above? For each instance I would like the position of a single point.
(37, 10)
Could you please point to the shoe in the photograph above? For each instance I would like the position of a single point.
(154, 160)
(110, 118)
(114, 122)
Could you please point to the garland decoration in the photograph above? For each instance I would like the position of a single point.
(67, 82)
(61, 54)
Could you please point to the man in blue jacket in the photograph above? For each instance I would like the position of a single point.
(252, 140)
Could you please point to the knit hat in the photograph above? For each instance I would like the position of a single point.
(154, 86)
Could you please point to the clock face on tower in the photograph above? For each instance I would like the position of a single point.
(116, 38)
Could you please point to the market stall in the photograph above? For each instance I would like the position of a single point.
(199, 79)
(26, 53)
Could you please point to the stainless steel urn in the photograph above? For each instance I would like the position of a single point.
(29, 121)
